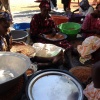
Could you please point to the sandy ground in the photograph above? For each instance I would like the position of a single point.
(23, 10)
(23, 5)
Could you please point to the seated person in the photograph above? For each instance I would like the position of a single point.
(91, 24)
(42, 23)
(5, 37)
(84, 10)
(92, 91)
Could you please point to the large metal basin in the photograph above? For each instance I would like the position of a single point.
(14, 66)
(19, 35)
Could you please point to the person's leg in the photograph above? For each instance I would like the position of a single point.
(6, 5)
(52, 6)
(66, 5)
(69, 4)
(54, 3)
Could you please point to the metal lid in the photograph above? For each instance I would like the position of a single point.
(54, 85)
(12, 65)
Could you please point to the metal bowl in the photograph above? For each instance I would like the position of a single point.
(54, 85)
(19, 35)
(12, 66)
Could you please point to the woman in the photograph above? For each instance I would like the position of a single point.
(5, 37)
(91, 24)
(42, 23)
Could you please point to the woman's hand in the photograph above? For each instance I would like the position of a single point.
(53, 32)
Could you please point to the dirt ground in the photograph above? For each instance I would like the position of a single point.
(24, 5)
(23, 10)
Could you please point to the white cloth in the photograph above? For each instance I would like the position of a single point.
(84, 13)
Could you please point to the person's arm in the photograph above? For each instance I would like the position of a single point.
(75, 10)
(90, 10)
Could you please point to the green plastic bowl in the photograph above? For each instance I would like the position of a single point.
(71, 29)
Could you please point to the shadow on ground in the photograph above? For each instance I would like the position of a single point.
(25, 13)
(25, 16)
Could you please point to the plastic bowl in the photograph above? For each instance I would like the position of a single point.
(70, 28)
(19, 35)
(59, 19)
(21, 26)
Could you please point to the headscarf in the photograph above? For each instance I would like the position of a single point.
(45, 4)
(84, 4)
(6, 15)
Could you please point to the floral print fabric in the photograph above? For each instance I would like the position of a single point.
(92, 93)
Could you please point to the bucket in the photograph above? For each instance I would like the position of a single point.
(71, 29)
(59, 19)
(21, 26)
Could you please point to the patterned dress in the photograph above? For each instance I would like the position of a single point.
(5, 42)
(39, 25)
(90, 23)
(92, 93)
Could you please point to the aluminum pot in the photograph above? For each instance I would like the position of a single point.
(19, 35)
(12, 67)
(54, 84)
